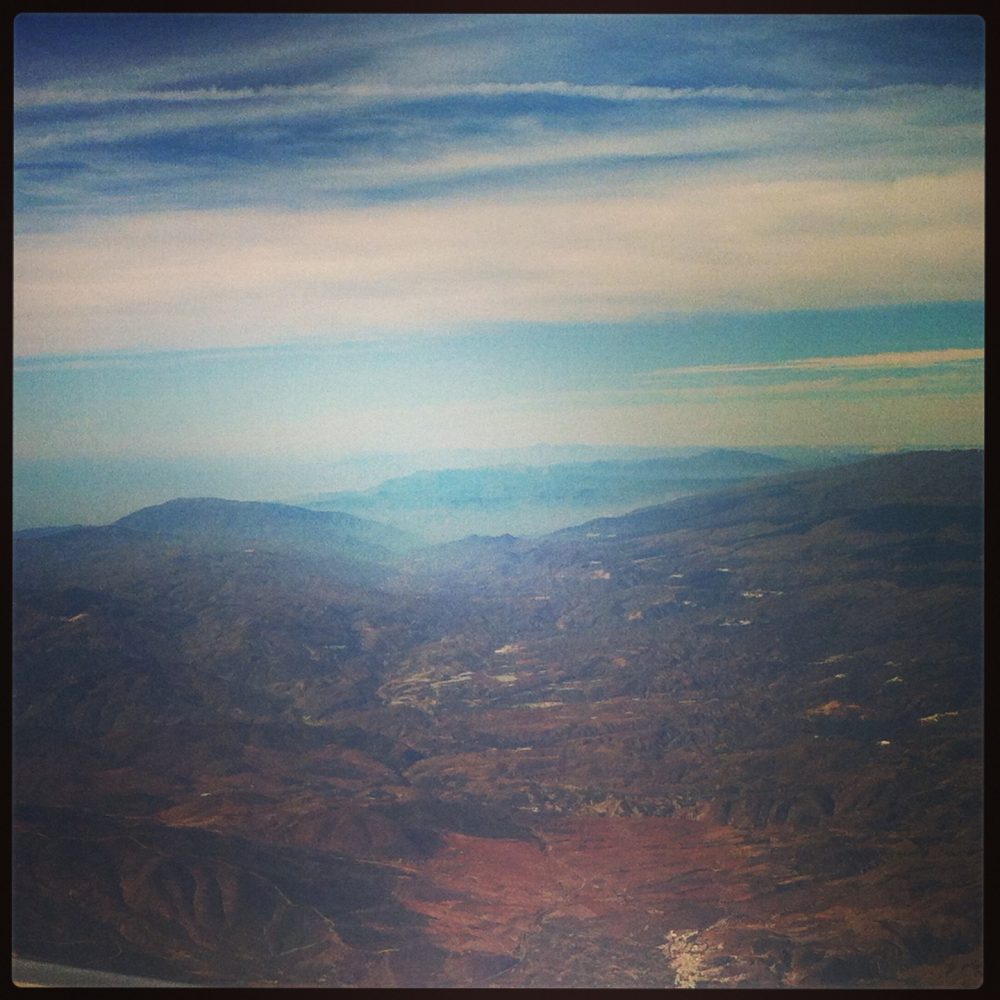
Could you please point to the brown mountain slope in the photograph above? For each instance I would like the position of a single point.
(734, 740)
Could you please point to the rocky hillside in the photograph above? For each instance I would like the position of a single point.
(733, 740)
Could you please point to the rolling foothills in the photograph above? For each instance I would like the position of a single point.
(733, 739)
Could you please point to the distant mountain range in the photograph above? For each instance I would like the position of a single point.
(898, 491)
(732, 740)
(447, 504)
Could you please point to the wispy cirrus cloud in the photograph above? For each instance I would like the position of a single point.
(223, 182)
(393, 92)
(306, 110)
(305, 152)
(889, 114)
(855, 362)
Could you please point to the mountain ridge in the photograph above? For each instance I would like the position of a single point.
(734, 740)
(447, 504)
(247, 518)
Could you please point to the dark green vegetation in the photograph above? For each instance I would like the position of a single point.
(730, 740)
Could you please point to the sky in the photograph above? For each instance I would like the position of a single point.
(250, 239)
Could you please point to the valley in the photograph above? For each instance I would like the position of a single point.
(730, 740)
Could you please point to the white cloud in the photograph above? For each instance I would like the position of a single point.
(890, 359)
(394, 92)
(287, 47)
(889, 114)
(218, 278)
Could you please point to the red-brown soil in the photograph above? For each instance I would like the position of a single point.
(587, 878)
(731, 742)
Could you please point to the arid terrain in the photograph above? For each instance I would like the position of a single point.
(731, 740)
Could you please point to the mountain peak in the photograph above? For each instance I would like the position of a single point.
(262, 522)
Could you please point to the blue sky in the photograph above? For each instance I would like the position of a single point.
(243, 236)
